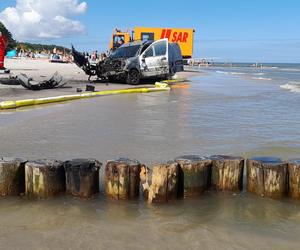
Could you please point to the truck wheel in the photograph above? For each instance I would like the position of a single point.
(133, 77)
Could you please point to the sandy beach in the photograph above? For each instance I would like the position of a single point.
(41, 70)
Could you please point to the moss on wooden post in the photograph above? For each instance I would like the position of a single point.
(195, 176)
(227, 173)
(294, 178)
(12, 176)
(267, 176)
(44, 178)
(122, 178)
(164, 186)
(82, 177)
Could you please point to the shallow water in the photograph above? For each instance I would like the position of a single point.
(221, 221)
(218, 114)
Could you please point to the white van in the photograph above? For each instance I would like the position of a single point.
(137, 60)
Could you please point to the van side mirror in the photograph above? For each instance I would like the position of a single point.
(144, 56)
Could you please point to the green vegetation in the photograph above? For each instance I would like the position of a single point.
(13, 44)
(40, 47)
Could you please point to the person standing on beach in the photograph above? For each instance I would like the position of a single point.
(3, 45)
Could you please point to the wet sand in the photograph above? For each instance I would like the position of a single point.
(41, 70)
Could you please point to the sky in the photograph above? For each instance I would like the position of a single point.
(226, 30)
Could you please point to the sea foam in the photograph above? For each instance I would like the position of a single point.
(261, 78)
(291, 86)
(230, 73)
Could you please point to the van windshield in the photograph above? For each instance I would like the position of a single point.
(125, 52)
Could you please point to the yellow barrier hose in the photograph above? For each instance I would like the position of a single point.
(159, 86)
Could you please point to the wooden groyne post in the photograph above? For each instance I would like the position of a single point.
(267, 176)
(186, 176)
(294, 178)
(12, 176)
(227, 173)
(194, 175)
(82, 177)
(165, 180)
(44, 178)
(122, 178)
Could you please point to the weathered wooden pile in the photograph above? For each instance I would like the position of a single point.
(122, 179)
(272, 177)
(186, 176)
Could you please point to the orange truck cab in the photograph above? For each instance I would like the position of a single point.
(184, 37)
(119, 38)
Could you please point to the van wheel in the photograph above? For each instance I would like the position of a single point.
(172, 71)
(133, 77)
(111, 79)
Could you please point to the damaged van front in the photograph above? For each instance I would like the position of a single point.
(120, 64)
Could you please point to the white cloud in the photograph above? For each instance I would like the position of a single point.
(31, 17)
(44, 19)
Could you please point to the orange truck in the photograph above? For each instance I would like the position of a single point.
(184, 37)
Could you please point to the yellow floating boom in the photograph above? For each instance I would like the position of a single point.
(159, 86)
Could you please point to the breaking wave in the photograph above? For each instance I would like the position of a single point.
(270, 67)
(292, 86)
(230, 73)
(291, 69)
(261, 78)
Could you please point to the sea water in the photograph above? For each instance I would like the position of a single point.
(241, 111)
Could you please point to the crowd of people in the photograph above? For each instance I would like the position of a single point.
(45, 54)
(95, 56)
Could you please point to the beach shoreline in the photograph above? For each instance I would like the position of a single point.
(41, 70)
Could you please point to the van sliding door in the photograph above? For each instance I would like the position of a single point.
(154, 61)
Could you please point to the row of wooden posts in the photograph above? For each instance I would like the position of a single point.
(186, 176)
